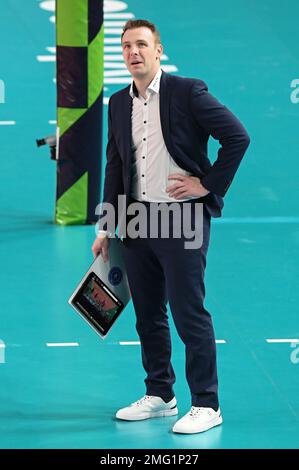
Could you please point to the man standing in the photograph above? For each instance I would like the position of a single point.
(157, 153)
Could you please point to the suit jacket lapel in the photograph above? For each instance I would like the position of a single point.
(165, 93)
(165, 97)
(126, 112)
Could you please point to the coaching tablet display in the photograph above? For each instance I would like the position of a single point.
(103, 293)
(99, 306)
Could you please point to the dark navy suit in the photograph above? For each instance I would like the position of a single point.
(161, 270)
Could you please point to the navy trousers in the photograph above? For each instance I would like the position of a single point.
(162, 270)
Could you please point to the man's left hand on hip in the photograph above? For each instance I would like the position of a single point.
(186, 186)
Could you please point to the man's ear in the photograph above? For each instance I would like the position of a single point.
(160, 49)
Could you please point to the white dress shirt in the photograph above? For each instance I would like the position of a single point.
(151, 162)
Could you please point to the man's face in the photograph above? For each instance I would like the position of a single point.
(140, 52)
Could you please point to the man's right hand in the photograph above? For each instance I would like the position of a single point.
(101, 246)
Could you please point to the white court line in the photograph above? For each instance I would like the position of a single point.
(113, 57)
(137, 343)
(113, 31)
(117, 80)
(51, 345)
(282, 340)
(2, 352)
(113, 49)
(115, 65)
(113, 24)
(112, 40)
(257, 220)
(129, 343)
(7, 123)
(52, 121)
(46, 58)
(111, 16)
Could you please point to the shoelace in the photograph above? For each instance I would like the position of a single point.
(196, 411)
(142, 400)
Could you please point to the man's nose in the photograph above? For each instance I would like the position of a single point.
(134, 51)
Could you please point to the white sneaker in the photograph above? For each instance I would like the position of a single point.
(198, 419)
(148, 407)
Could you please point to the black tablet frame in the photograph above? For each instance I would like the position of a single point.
(88, 312)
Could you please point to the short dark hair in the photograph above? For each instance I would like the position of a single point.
(133, 24)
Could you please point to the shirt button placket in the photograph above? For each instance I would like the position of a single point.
(144, 147)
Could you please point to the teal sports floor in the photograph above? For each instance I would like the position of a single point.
(66, 396)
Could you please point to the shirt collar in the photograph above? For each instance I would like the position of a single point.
(154, 86)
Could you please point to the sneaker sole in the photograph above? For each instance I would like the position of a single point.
(211, 424)
(153, 414)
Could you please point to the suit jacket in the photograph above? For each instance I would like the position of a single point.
(189, 115)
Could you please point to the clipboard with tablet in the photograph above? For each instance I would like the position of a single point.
(103, 293)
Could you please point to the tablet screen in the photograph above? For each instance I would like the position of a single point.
(97, 303)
